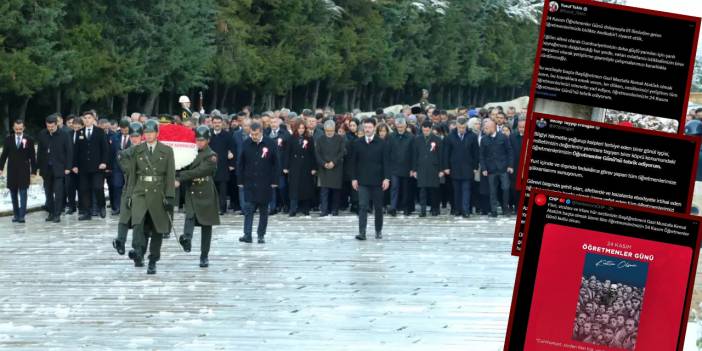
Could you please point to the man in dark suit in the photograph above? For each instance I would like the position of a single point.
(280, 137)
(257, 170)
(401, 195)
(496, 161)
(55, 158)
(222, 143)
(18, 152)
(118, 142)
(370, 170)
(72, 178)
(461, 154)
(515, 140)
(90, 159)
(240, 136)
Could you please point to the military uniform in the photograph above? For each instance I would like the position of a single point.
(185, 114)
(201, 200)
(153, 197)
(125, 159)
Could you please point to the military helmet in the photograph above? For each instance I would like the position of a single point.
(183, 99)
(165, 119)
(203, 132)
(693, 127)
(136, 129)
(151, 126)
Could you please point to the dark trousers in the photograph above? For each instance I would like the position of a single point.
(461, 195)
(222, 189)
(53, 190)
(503, 180)
(401, 196)
(446, 193)
(366, 194)
(205, 230)
(430, 196)
(249, 210)
(116, 201)
(122, 230)
(71, 190)
(233, 192)
(299, 205)
(145, 235)
(280, 194)
(19, 203)
(92, 184)
(324, 204)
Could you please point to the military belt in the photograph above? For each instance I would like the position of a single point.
(151, 178)
(200, 180)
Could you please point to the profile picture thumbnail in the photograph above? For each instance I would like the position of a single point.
(553, 6)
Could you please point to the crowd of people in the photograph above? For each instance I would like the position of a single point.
(464, 160)
(608, 313)
(637, 120)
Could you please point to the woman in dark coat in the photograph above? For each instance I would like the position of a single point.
(300, 165)
(427, 167)
(349, 194)
(329, 151)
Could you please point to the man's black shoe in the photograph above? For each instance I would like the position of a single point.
(378, 235)
(261, 240)
(393, 212)
(492, 214)
(119, 246)
(103, 213)
(115, 212)
(185, 243)
(166, 235)
(204, 262)
(49, 219)
(323, 214)
(138, 260)
(246, 239)
(465, 216)
(70, 211)
(151, 269)
(84, 217)
(335, 213)
(57, 219)
(361, 237)
(422, 214)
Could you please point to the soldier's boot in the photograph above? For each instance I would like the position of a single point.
(118, 245)
(151, 269)
(185, 242)
(137, 257)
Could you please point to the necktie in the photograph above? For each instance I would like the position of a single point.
(124, 142)
(151, 150)
(17, 143)
(461, 135)
(90, 130)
